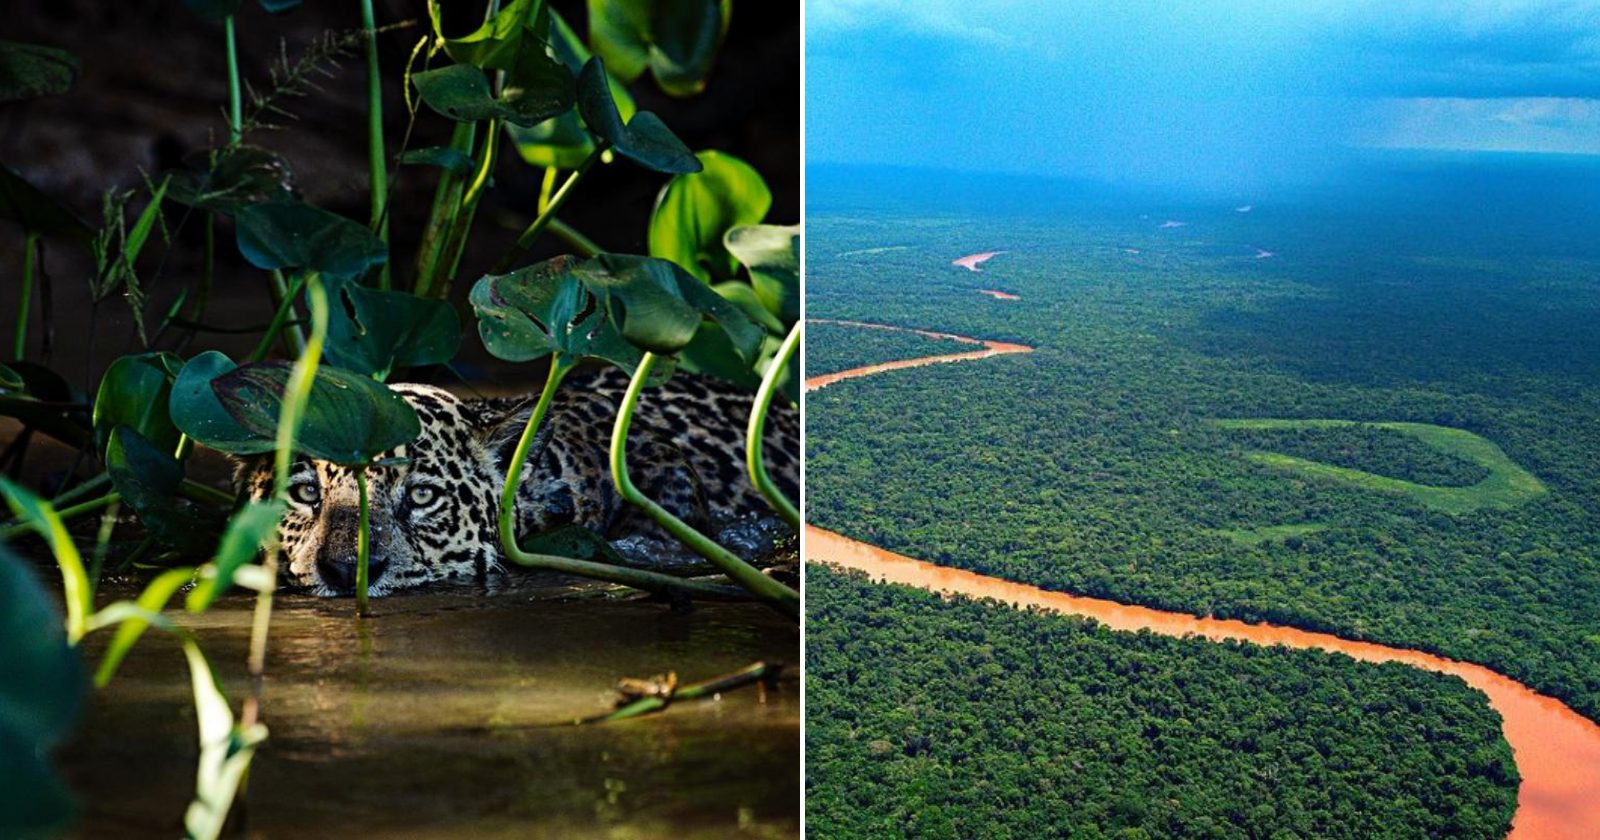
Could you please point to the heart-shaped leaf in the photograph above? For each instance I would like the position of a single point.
(235, 177)
(134, 392)
(376, 331)
(677, 40)
(562, 141)
(147, 478)
(41, 693)
(36, 212)
(644, 139)
(298, 236)
(696, 210)
(537, 89)
(658, 306)
(543, 309)
(29, 70)
(772, 254)
(196, 411)
(500, 39)
(349, 419)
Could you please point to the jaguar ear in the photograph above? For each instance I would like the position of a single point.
(499, 425)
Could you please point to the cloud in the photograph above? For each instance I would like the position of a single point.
(1518, 124)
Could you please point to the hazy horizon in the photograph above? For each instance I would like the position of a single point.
(1231, 96)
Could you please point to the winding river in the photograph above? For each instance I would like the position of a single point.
(1557, 750)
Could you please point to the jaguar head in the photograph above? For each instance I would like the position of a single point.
(431, 514)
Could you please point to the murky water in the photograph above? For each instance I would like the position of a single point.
(1557, 750)
(448, 715)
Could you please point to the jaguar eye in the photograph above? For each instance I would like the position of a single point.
(305, 493)
(422, 495)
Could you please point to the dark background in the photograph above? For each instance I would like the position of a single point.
(153, 92)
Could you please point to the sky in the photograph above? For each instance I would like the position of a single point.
(1219, 94)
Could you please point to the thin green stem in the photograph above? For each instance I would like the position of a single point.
(528, 236)
(585, 246)
(456, 244)
(442, 215)
(775, 594)
(235, 99)
(363, 544)
(376, 159)
(279, 319)
(25, 301)
(13, 531)
(638, 578)
(753, 459)
(293, 336)
(295, 395)
(102, 542)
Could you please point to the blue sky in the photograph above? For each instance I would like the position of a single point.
(1213, 93)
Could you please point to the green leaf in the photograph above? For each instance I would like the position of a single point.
(644, 139)
(543, 309)
(153, 599)
(562, 141)
(248, 530)
(41, 695)
(30, 70)
(196, 411)
(237, 177)
(498, 42)
(147, 478)
(696, 210)
(10, 380)
(298, 236)
(740, 294)
(36, 212)
(375, 331)
(574, 541)
(74, 579)
(454, 161)
(225, 750)
(772, 254)
(677, 40)
(536, 90)
(135, 392)
(349, 419)
(658, 306)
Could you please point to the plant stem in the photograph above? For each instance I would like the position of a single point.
(775, 594)
(758, 423)
(637, 578)
(295, 395)
(442, 215)
(456, 244)
(102, 542)
(235, 100)
(585, 246)
(539, 224)
(197, 492)
(30, 249)
(716, 685)
(66, 513)
(363, 545)
(279, 318)
(375, 156)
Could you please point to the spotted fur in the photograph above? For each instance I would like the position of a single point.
(433, 517)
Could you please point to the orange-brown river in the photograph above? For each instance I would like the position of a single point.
(1557, 750)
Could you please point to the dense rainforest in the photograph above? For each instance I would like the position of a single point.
(944, 719)
(831, 348)
(1096, 464)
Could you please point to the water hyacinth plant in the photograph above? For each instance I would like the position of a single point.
(717, 293)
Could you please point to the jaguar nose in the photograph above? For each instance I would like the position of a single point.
(339, 573)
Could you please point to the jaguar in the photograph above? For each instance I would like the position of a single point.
(433, 509)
